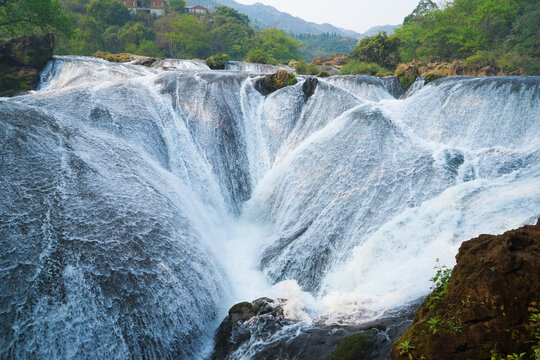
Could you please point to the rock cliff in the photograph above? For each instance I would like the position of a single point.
(21, 60)
(490, 307)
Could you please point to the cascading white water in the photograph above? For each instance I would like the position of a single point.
(139, 203)
(255, 68)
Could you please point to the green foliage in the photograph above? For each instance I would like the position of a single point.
(440, 283)
(508, 29)
(324, 74)
(356, 67)
(433, 324)
(226, 15)
(189, 36)
(232, 33)
(325, 44)
(110, 12)
(380, 49)
(514, 356)
(452, 326)
(258, 56)
(108, 25)
(177, 6)
(405, 348)
(277, 45)
(421, 10)
(218, 61)
(30, 16)
(303, 68)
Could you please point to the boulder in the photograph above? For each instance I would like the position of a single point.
(29, 50)
(491, 308)
(274, 82)
(261, 329)
(21, 61)
(309, 86)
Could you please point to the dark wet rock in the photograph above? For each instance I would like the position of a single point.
(275, 81)
(29, 50)
(309, 86)
(261, 329)
(492, 294)
(393, 86)
(21, 60)
(146, 61)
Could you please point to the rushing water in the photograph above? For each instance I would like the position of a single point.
(138, 204)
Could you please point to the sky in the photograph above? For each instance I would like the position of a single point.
(357, 15)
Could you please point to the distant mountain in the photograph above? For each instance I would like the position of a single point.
(264, 16)
(375, 30)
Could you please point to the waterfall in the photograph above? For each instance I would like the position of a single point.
(140, 203)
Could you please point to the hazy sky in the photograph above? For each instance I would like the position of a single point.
(358, 15)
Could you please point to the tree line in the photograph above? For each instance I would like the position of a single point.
(86, 26)
(507, 31)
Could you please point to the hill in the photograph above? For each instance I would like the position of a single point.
(264, 16)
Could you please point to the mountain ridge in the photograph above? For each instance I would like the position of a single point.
(265, 16)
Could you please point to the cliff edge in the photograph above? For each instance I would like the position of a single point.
(488, 309)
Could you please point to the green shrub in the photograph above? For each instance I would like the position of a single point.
(304, 68)
(258, 56)
(324, 74)
(440, 283)
(218, 61)
(361, 68)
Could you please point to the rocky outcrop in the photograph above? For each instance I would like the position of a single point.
(261, 328)
(275, 81)
(490, 308)
(434, 69)
(335, 61)
(21, 60)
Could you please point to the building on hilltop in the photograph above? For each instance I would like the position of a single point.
(151, 6)
(197, 10)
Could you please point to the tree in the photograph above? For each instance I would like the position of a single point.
(189, 37)
(278, 45)
(258, 56)
(177, 6)
(226, 15)
(110, 12)
(380, 49)
(29, 16)
(232, 34)
(423, 8)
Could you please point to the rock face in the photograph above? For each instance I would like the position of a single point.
(274, 82)
(434, 68)
(260, 330)
(335, 61)
(21, 60)
(490, 304)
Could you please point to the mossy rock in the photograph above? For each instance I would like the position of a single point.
(217, 62)
(276, 81)
(324, 74)
(354, 346)
(491, 296)
(118, 58)
(29, 50)
(15, 80)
